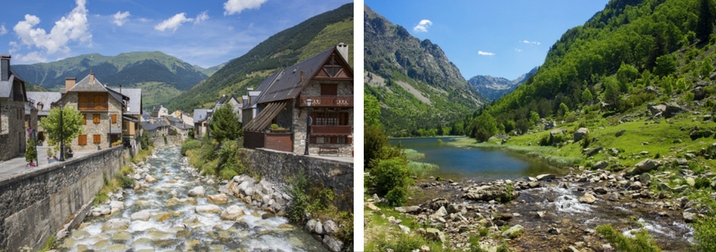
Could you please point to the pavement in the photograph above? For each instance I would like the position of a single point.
(17, 166)
(334, 158)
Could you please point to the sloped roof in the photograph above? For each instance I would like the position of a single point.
(6, 86)
(135, 99)
(152, 126)
(200, 115)
(46, 98)
(290, 82)
(264, 118)
(84, 85)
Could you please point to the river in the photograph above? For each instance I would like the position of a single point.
(459, 163)
(174, 224)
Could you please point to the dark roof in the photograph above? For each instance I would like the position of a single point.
(263, 87)
(6, 86)
(289, 83)
(135, 99)
(200, 115)
(46, 98)
(153, 126)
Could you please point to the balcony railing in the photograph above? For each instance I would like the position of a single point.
(338, 130)
(328, 101)
(95, 106)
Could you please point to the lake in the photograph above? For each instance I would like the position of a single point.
(461, 163)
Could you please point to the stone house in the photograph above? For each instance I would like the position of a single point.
(325, 79)
(41, 101)
(12, 111)
(231, 101)
(156, 127)
(161, 111)
(186, 118)
(102, 108)
(132, 115)
(200, 119)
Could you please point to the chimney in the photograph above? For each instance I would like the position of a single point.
(91, 78)
(40, 106)
(245, 99)
(70, 83)
(4, 67)
(343, 49)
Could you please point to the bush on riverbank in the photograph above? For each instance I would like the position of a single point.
(642, 241)
(391, 178)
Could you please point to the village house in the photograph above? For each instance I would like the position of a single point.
(321, 87)
(201, 125)
(156, 127)
(186, 118)
(102, 109)
(131, 129)
(159, 112)
(41, 101)
(12, 111)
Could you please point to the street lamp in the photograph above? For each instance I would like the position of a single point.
(62, 145)
(308, 123)
(109, 136)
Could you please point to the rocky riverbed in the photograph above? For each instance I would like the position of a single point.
(549, 213)
(173, 207)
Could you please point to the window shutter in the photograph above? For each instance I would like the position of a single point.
(96, 118)
(82, 140)
(114, 118)
(329, 89)
(85, 121)
(97, 139)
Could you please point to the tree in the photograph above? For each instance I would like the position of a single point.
(563, 109)
(484, 127)
(225, 125)
(587, 95)
(665, 65)
(705, 23)
(72, 121)
(626, 73)
(706, 67)
(372, 110)
(30, 152)
(611, 92)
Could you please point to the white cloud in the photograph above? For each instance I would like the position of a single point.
(201, 17)
(32, 57)
(120, 17)
(530, 42)
(72, 27)
(173, 23)
(3, 30)
(423, 26)
(485, 53)
(236, 6)
(518, 50)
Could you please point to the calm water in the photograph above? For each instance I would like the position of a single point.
(459, 163)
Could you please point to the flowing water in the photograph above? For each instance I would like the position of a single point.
(476, 164)
(175, 226)
(564, 220)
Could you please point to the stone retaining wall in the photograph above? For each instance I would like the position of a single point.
(35, 205)
(280, 167)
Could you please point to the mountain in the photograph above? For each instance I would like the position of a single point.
(493, 88)
(161, 76)
(417, 85)
(283, 49)
(211, 70)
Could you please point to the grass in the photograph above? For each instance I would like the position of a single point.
(49, 244)
(413, 155)
(642, 241)
(421, 169)
(142, 155)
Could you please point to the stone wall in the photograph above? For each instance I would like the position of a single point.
(281, 167)
(12, 129)
(36, 204)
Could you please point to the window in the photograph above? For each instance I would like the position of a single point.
(329, 89)
(96, 118)
(114, 118)
(326, 118)
(82, 140)
(331, 66)
(97, 139)
(85, 122)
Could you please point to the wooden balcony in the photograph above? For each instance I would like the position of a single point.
(92, 106)
(331, 130)
(327, 101)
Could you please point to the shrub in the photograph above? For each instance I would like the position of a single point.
(125, 181)
(297, 190)
(190, 144)
(165, 139)
(641, 242)
(229, 164)
(391, 178)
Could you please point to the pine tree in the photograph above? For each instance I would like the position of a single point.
(705, 24)
(225, 125)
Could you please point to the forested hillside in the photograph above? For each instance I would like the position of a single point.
(280, 50)
(616, 60)
(419, 89)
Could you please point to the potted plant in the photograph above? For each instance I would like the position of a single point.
(69, 153)
(275, 128)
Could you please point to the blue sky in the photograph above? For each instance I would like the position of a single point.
(204, 33)
(498, 38)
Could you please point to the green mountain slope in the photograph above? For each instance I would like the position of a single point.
(417, 85)
(283, 49)
(165, 74)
